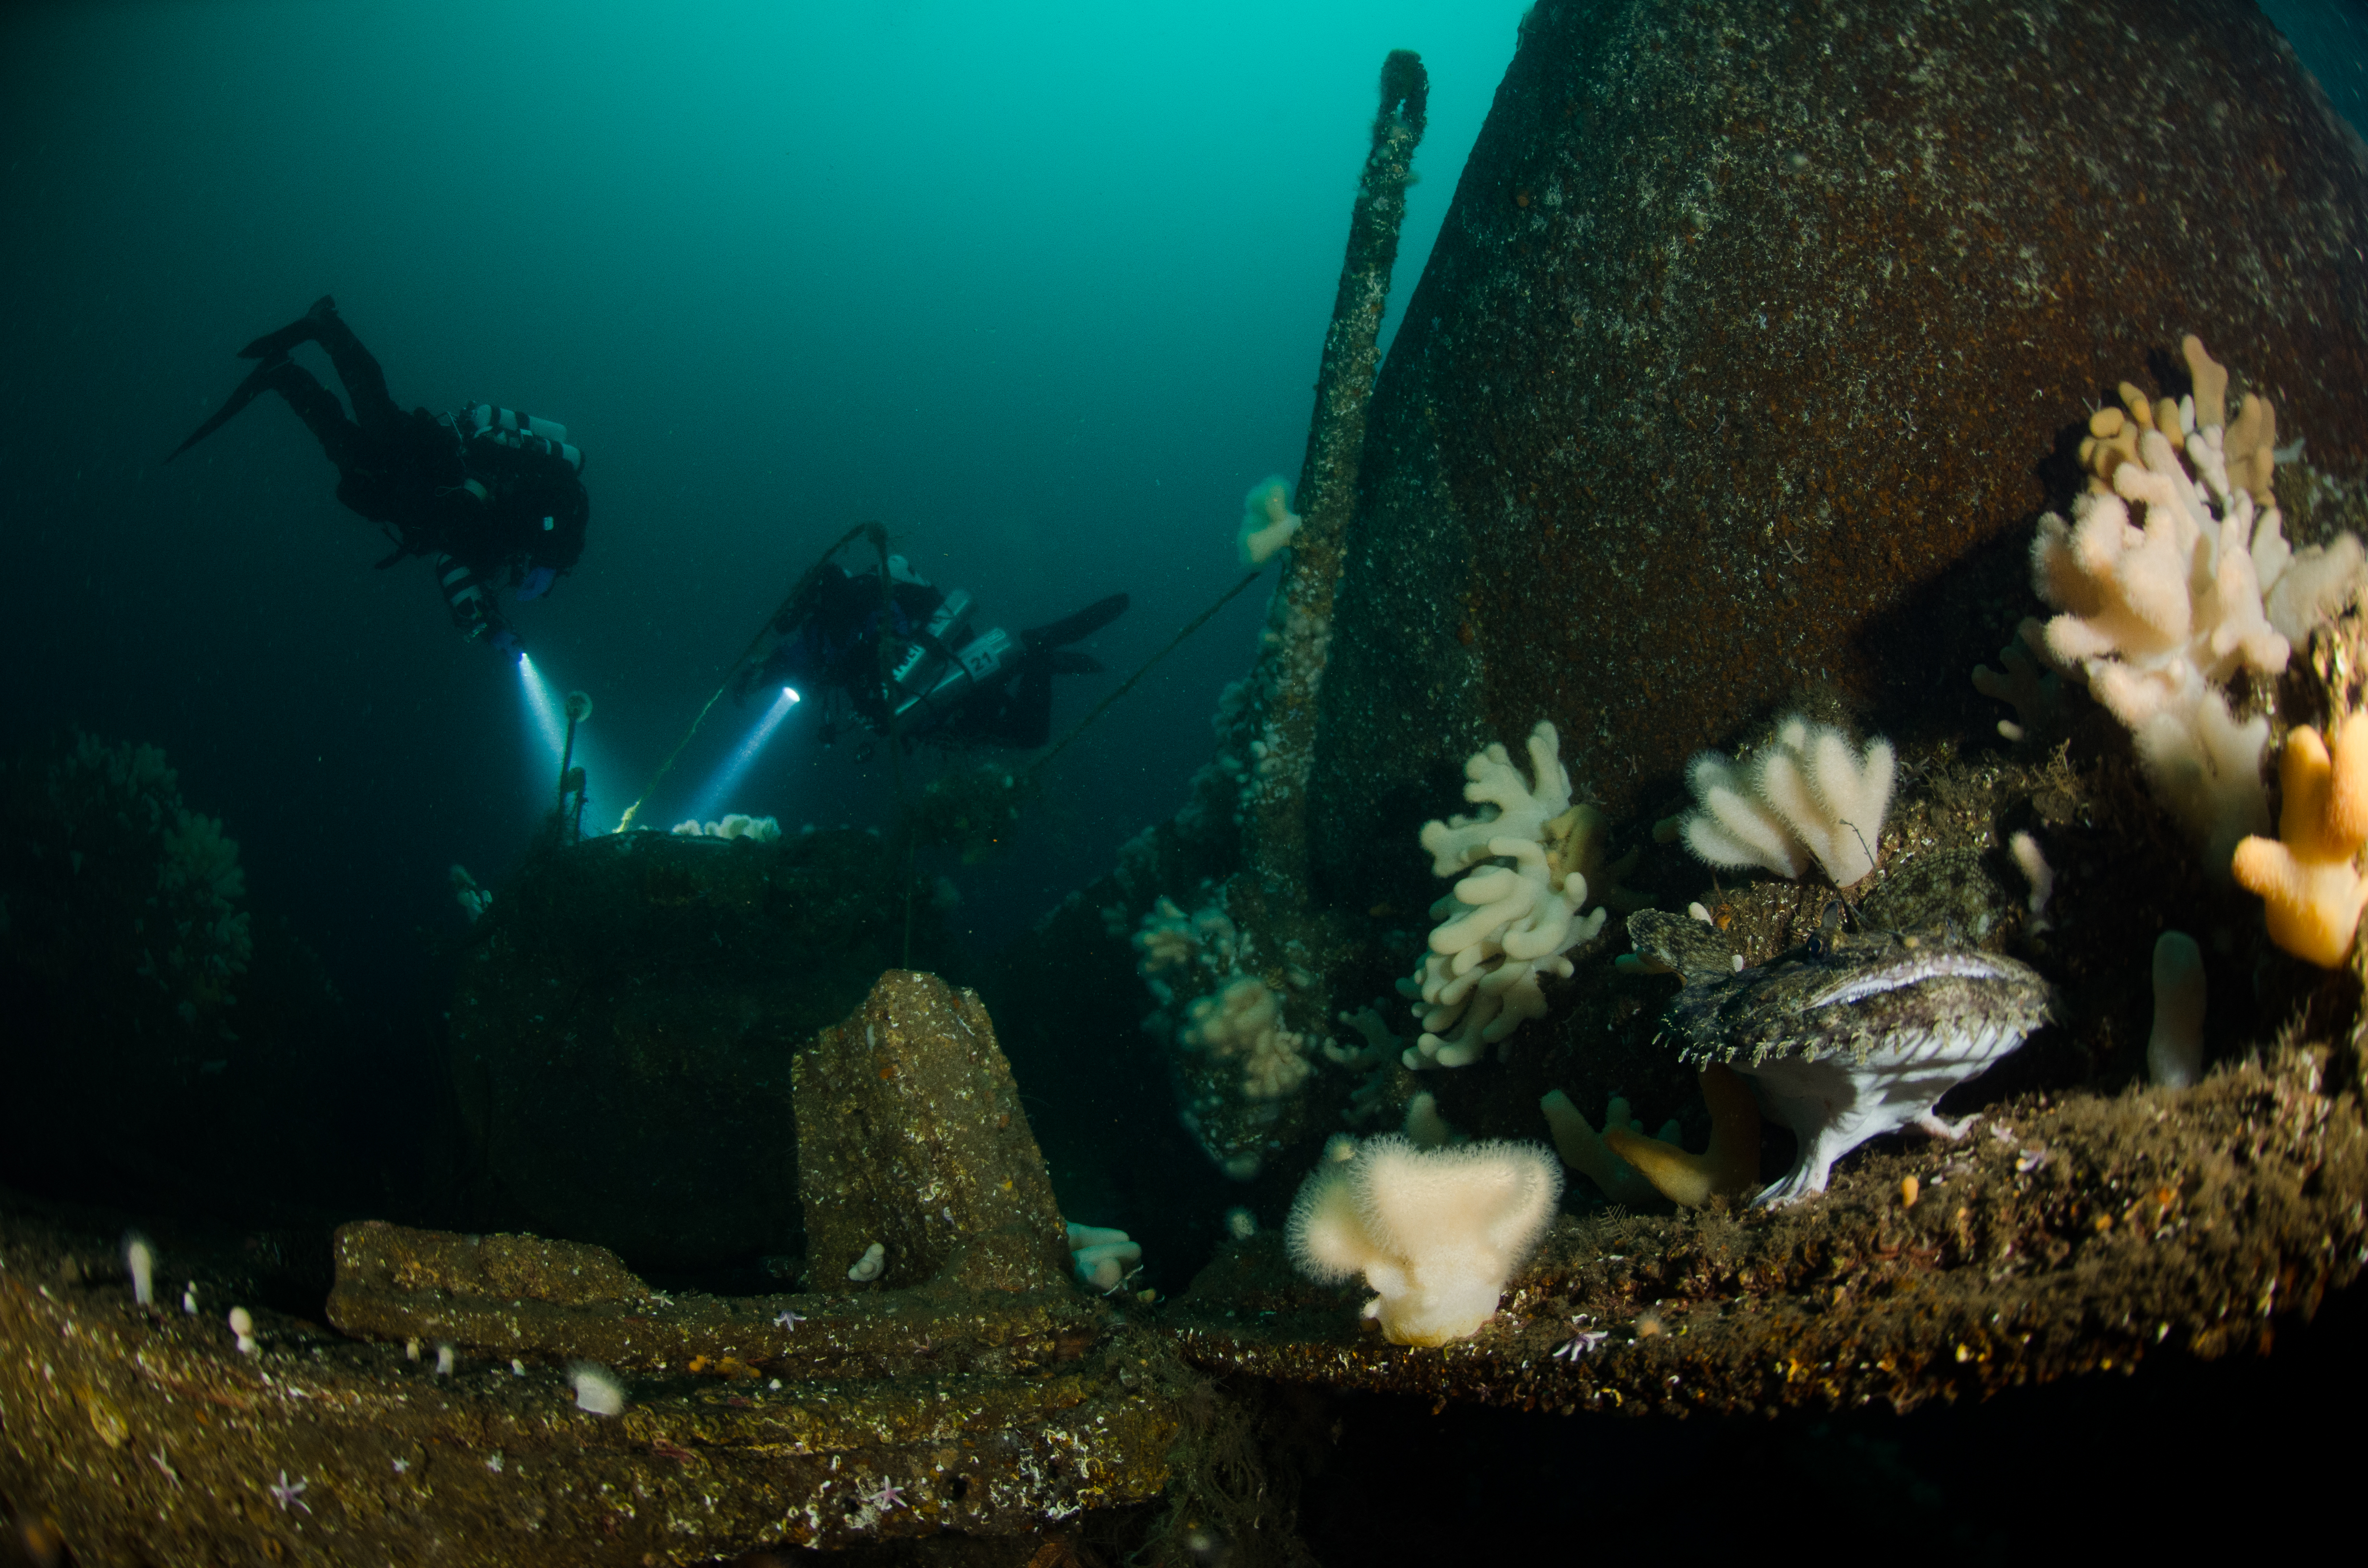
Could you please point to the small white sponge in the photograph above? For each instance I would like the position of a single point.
(597, 1389)
(1437, 1233)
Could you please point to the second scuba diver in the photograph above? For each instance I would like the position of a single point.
(944, 683)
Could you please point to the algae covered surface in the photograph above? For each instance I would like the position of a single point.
(2065, 1237)
(157, 1441)
(442, 1421)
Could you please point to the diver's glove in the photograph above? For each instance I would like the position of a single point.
(469, 617)
(477, 623)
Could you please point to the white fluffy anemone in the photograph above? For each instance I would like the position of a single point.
(1436, 1232)
(1807, 794)
(1515, 915)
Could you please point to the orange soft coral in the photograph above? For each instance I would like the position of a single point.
(1732, 1166)
(2307, 874)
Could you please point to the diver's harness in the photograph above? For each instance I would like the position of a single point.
(482, 437)
(488, 443)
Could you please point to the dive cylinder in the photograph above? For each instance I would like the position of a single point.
(925, 657)
(979, 658)
(520, 432)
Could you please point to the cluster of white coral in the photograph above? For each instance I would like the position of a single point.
(1170, 940)
(756, 830)
(2030, 687)
(1807, 794)
(1512, 918)
(2172, 578)
(1380, 1043)
(1100, 1257)
(1372, 1058)
(1244, 1022)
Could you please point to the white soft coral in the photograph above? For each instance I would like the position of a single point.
(1244, 1022)
(2174, 578)
(1504, 925)
(1807, 794)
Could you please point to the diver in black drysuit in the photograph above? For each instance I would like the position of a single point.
(943, 683)
(496, 498)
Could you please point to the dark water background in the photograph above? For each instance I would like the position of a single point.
(1042, 290)
(1039, 288)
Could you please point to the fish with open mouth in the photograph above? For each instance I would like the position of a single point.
(1847, 1037)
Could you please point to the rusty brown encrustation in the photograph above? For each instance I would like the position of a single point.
(1732, 379)
(973, 1388)
(911, 1135)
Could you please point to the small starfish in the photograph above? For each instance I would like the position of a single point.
(1581, 1342)
(285, 1494)
(787, 1319)
(889, 1496)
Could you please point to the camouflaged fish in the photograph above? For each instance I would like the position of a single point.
(1847, 1037)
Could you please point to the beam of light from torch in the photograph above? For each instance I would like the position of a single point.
(735, 767)
(543, 712)
(546, 716)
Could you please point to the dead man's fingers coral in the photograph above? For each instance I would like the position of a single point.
(1808, 794)
(1585, 1151)
(2173, 578)
(1514, 912)
(1731, 1165)
(2308, 877)
(1268, 521)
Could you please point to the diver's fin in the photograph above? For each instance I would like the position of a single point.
(1069, 662)
(1075, 627)
(257, 380)
(276, 345)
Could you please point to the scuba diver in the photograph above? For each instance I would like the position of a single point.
(495, 497)
(942, 682)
